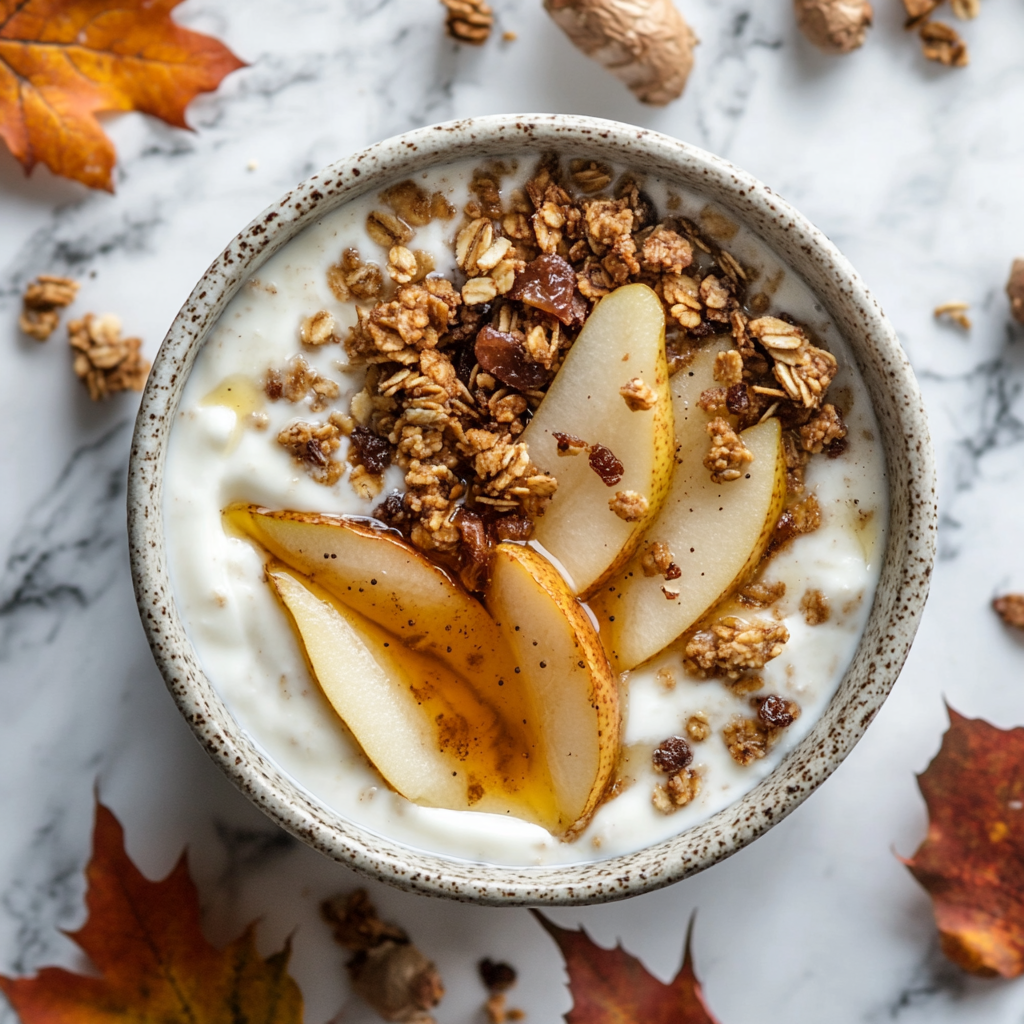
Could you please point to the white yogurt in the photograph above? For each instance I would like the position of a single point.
(251, 655)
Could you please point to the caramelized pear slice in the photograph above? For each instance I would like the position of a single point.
(424, 729)
(623, 339)
(566, 674)
(374, 571)
(717, 533)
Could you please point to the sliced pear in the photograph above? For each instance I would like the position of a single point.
(624, 338)
(717, 533)
(426, 730)
(382, 577)
(566, 674)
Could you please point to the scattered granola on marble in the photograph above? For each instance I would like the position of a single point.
(942, 43)
(498, 977)
(385, 969)
(1015, 290)
(955, 313)
(1010, 608)
(469, 21)
(103, 360)
(40, 304)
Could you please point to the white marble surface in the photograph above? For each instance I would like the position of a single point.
(913, 170)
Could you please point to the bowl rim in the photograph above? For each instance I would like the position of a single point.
(892, 622)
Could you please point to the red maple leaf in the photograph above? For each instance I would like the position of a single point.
(972, 860)
(154, 963)
(64, 61)
(610, 986)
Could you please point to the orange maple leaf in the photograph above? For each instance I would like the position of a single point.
(155, 964)
(972, 860)
(610, 986)
(64, 61)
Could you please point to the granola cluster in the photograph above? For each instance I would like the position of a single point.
(469, 21)
(1010, 608)
(941, 42)
(816, 607)
(729, 456)
(41, 304)
(456, 364)
(672, 758)
(732, 645)
(103, 360)
(773, 370)
(749, 739)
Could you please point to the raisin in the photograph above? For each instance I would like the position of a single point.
(371, 451)
(464, 359)
(836, 447)
(548, 283)
(497, 977)
(604, 463)
(314, 453)
(476, 553)
(672, 755)
(391, 510)
(513, 527)
(785, 531)
(568, 442)
(503, 355)
(774, 711)
(737, 399)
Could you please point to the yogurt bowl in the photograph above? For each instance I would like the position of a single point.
(228, 654)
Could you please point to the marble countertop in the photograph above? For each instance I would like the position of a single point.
(913, 170)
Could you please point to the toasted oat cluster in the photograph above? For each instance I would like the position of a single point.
(749, 739)
(732, 645)
(455, 365)
(103, 360)
(40, 305)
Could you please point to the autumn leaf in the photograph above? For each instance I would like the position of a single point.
(64, 61)
(972, 860)
(610, 986)
(154, 964)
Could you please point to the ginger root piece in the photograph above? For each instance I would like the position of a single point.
(1015, 290)
(835, 26)
(645, 43)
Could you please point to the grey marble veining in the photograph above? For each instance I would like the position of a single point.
(912, 169)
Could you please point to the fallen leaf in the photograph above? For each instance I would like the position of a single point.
(64, 61)
(154, 964)
(610, 986)
(972, 861)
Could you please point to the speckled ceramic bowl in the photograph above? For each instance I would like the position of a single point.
(902, 588)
